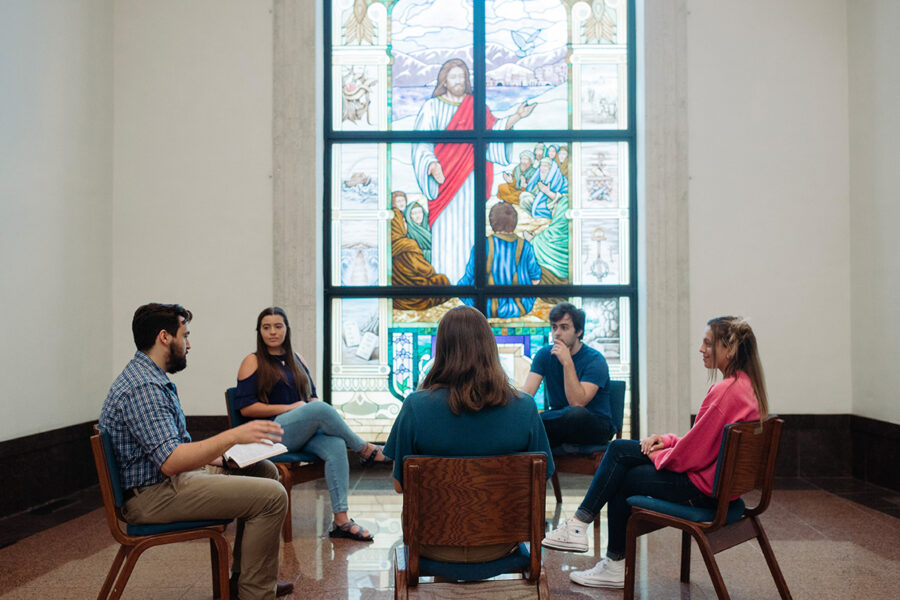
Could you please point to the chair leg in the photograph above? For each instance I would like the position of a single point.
(287, 530)
(130, 562)
(685, 557)
(218, 552)
(214, 560)
(113, 572)
(401, 591)
(630, 557)
(766, 548)
(709, 558)
(543, 587)
(556, 489)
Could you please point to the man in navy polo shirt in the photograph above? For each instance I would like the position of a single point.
(576, 383)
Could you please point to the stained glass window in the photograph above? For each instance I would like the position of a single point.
(477, 152)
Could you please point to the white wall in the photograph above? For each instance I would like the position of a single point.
(769, 191)
(875, 208)
(192, 208)
(55, 211)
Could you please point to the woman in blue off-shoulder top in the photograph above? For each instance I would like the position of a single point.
(274, 383)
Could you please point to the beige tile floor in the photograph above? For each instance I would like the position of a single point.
(828, 547)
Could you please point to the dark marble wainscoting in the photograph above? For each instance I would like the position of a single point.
(37, 469)
(39, 472)
(815, 446)
(841, 447)
(202, 428)
(874, 450)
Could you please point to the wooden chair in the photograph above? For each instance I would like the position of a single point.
(294, 467)
(472, 502)
(746, 462)
(134, 539)
(572, 458)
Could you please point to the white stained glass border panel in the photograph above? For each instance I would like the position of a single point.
(608, 330)
(359, 58)
(358, 243)
(599, 86)
(604, 253)
(600, 174)
(358, 174)
(600, 22)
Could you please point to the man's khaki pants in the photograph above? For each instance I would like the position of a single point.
(253, 496)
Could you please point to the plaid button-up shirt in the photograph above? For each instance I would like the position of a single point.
(144, 419)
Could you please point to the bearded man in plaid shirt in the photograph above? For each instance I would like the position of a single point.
(166, 477)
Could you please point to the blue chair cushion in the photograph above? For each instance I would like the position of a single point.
(515, 562)
(155, 528)
(112, 465)
(688, 513)
(572, 449)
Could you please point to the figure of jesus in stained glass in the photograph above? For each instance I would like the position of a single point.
(445, 172)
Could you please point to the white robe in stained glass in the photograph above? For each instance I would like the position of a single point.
(453, 232)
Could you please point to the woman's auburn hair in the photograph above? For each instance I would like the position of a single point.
(743, 355)
(268, 369)
(467, 364)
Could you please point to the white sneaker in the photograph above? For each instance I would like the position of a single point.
(606, 574)
(568, 536)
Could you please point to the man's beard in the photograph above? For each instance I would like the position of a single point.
(176, 363)
(458, 89)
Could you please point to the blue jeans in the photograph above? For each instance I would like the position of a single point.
(626, 471)
(300, 428)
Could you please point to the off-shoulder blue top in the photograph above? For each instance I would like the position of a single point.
(284, 392)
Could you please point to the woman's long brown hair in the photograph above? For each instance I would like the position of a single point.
(467, 364)
(740, 343)
(268, 369)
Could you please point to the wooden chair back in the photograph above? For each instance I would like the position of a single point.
(617, 405)
(110, 486)
(746, 463)
(474, 502)
(235, 417)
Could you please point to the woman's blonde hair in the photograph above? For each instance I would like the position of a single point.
(467, 364)
(740, 344)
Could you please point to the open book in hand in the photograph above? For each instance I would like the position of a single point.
(244, 455)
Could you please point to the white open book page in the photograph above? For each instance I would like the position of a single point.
(247, 454)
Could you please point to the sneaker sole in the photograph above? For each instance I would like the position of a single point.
(596, 584)
(566, 546)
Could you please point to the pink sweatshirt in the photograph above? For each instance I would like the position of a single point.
(728, 401)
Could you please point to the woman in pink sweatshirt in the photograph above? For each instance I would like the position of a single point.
(668, 467)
